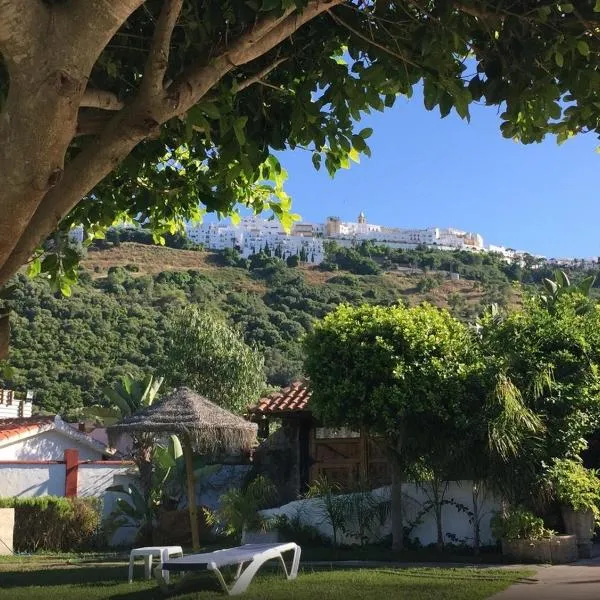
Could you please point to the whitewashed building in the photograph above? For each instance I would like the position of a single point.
(42, 456)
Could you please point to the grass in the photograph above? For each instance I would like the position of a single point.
(59, 579)
(383, 553)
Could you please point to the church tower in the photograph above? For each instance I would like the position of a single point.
(361, 218)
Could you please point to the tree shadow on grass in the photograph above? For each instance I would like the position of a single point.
(114, 577)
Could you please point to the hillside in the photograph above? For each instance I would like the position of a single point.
(151, 260)
(67, 349)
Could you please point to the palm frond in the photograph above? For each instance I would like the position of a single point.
(514, 421)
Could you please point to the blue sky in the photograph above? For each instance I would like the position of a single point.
(427, 171)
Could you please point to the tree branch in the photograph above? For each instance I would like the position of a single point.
(367, 39)
(100, 99)
(158, 60)
(20, 23)
(197, 80)
(258, 77)
(91, 122)
(141, 118)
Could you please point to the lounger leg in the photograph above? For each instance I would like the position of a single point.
(165, 557)
(292, 573)
(222, 581)
(130, 578)
(242, 583)
(148, 566)
(239, 571)
(296, 562)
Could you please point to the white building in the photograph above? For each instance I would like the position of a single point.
(42, 456)
(254, 235)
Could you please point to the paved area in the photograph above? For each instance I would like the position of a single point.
(575, 581)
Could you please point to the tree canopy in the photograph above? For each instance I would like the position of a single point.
(163, 109)
(402, 374)
(205, 354)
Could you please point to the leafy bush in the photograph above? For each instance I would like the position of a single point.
(334, 506)
(54, 523)
(294, 530)
(575, 486)
(518, 523)
(239, 508)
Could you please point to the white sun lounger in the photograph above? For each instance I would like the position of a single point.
(248, 558)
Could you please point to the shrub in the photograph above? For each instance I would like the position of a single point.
(239, 508)
(575, 486)
(294, 530)
(518, 523)
(54, 523)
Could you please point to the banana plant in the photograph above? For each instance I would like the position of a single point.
(166, 491)
(562, 285)
(131, 394)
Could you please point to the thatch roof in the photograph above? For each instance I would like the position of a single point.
(184, 412)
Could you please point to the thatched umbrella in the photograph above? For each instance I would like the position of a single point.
(201, 425)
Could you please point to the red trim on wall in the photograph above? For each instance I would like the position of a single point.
(32, 462)
(124, 463)
(71, 468)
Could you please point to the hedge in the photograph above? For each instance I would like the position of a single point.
(54, 523)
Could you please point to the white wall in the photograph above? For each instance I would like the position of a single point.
(47, 445)
(32, 480)
(454, 522)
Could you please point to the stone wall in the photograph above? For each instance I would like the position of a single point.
(278, 459)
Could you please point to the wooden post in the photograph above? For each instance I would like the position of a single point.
(363, 469)
(191, 489)
(71, 468)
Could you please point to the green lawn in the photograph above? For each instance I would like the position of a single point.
(53, 580)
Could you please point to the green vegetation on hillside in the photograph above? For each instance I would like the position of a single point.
(116, 321)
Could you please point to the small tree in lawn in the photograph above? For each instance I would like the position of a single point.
(212, 358)
(399, 373)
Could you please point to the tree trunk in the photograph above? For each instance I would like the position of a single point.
(397, 507)
(440, 530)
(191, 490)
(476, 529)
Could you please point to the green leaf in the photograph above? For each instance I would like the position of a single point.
(209, 109)
(583, 48)
(34, 268)
(354, 155)
(65, 288)
(559, 58)
(567, 8)
(366, 132)
(316, 160)
(238, 128)
(597, 6)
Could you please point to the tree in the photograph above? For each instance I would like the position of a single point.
(106, 111)
(207, 355)
(551, 355)
(398, 373)
(128, 396)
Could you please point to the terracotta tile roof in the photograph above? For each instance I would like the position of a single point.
(10, 428)
(293, 398)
